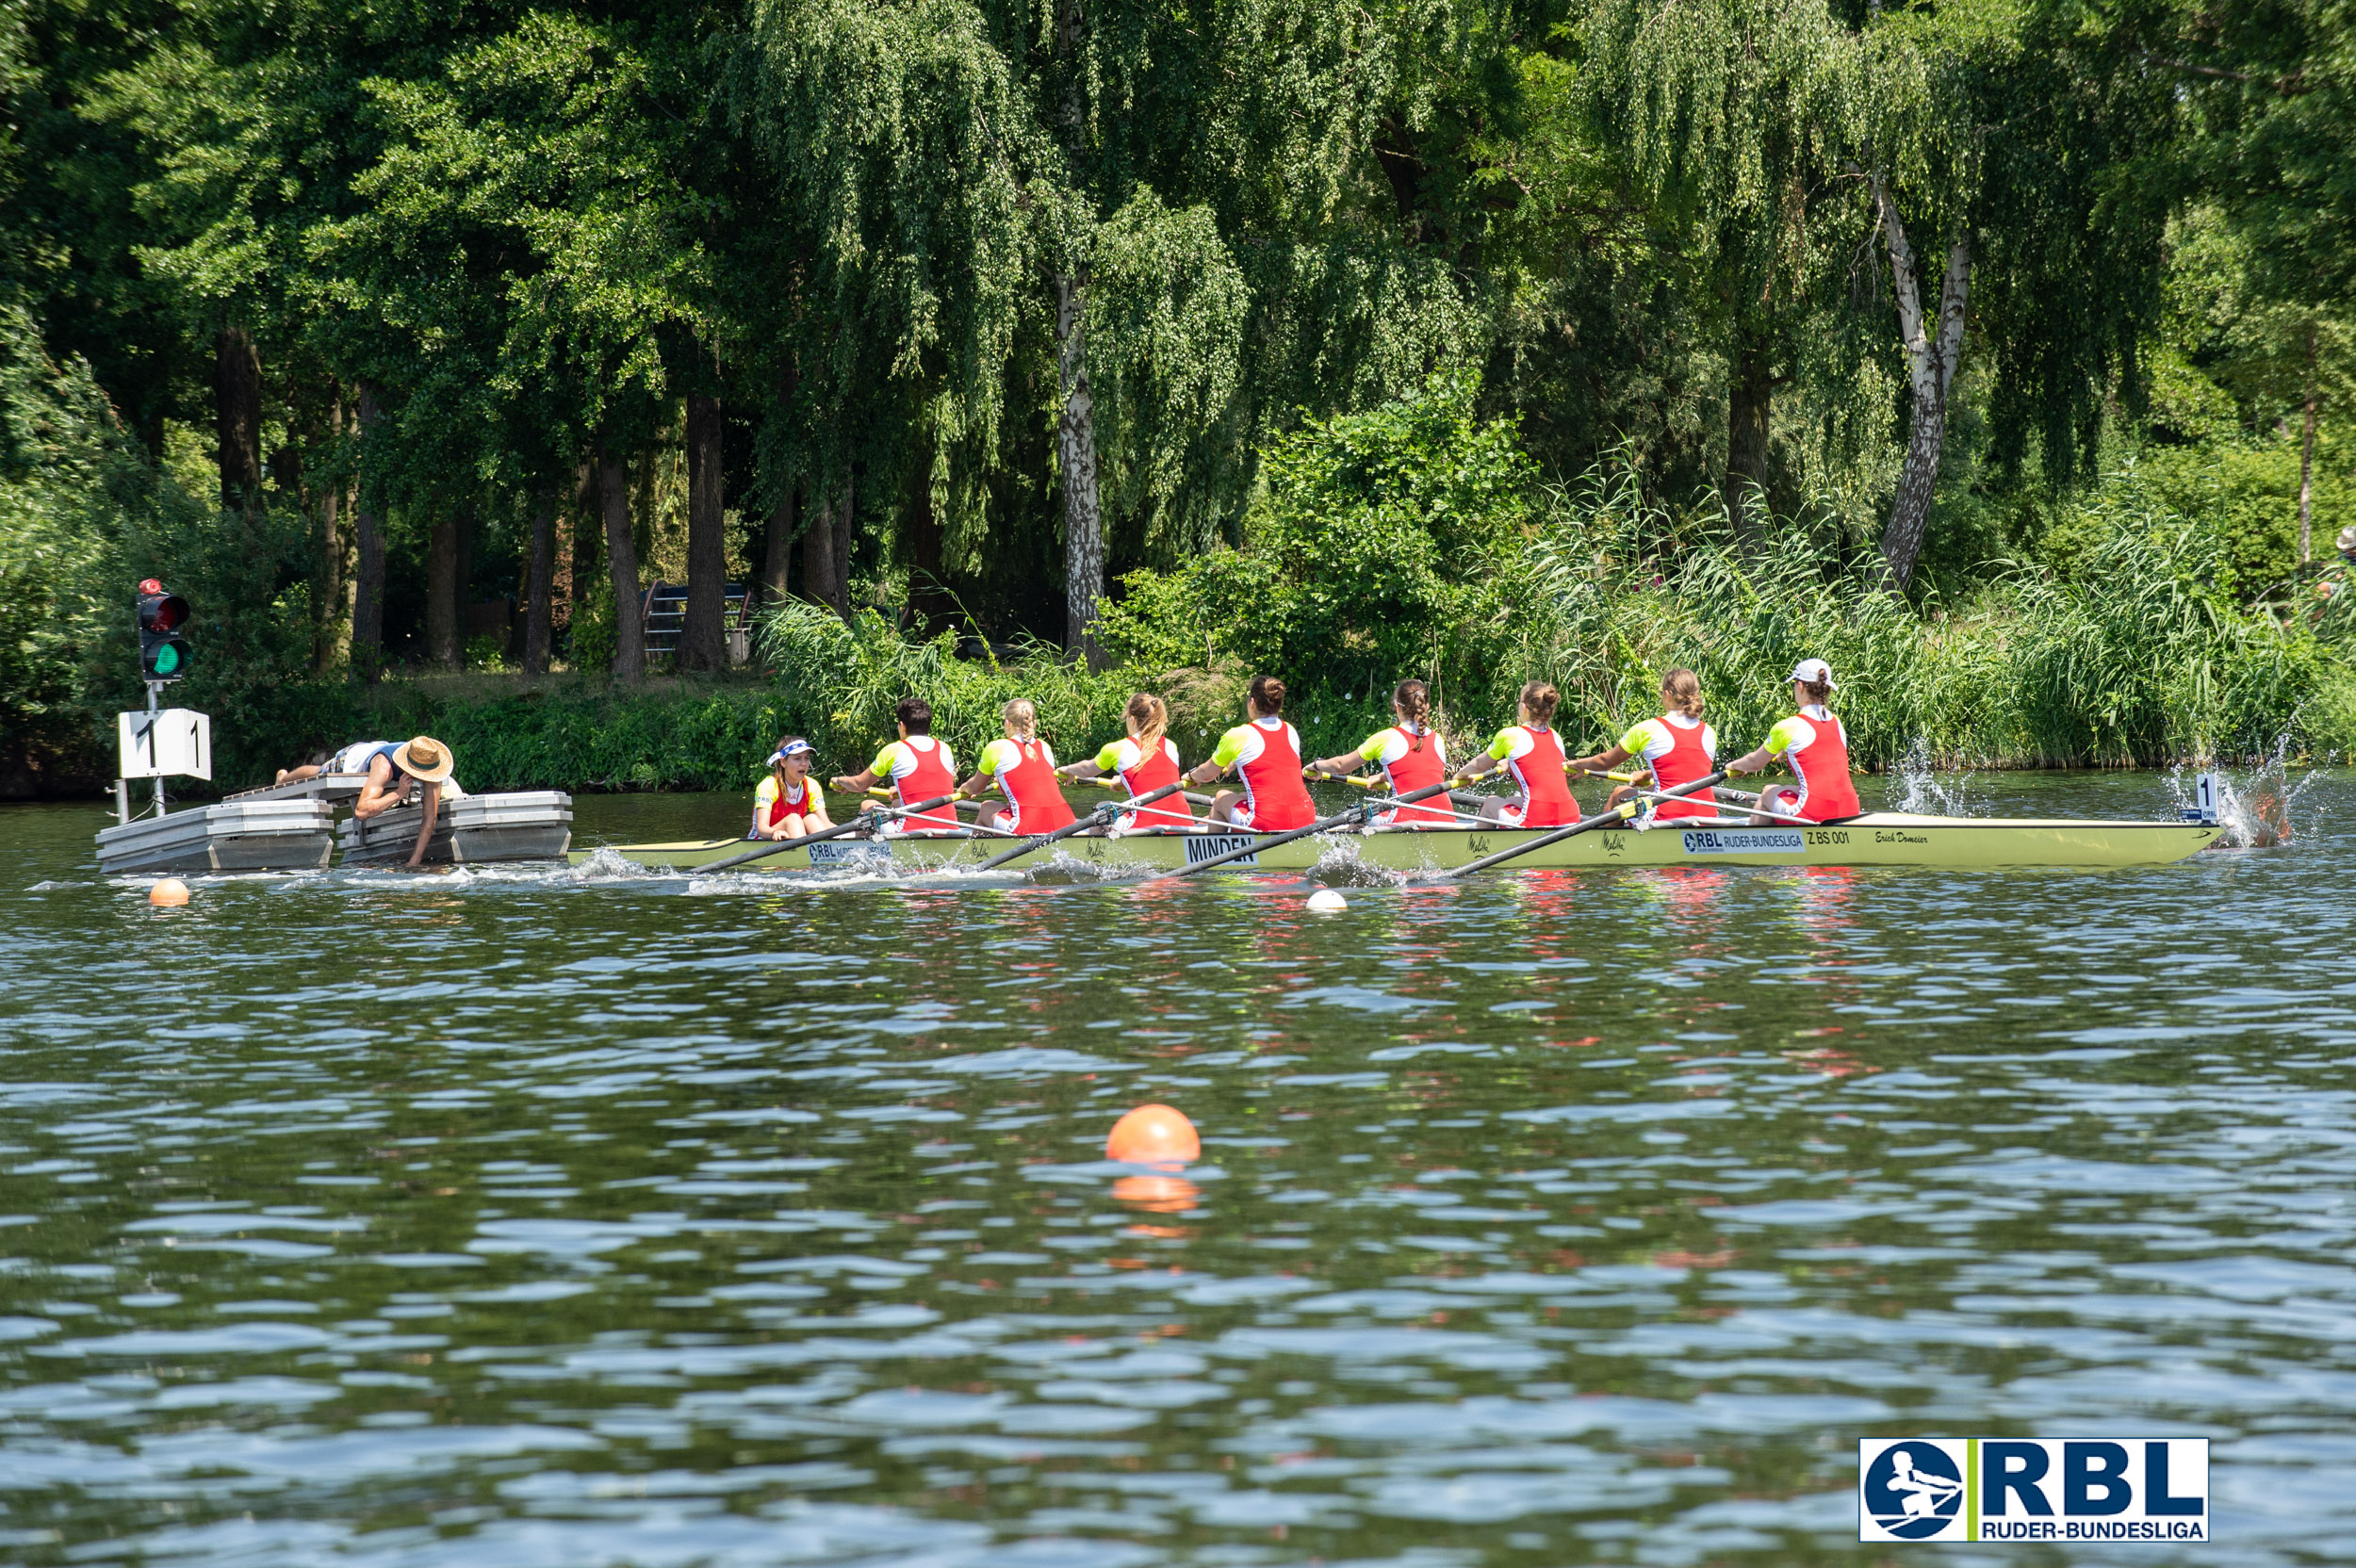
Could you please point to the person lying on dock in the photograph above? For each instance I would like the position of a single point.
(351, 759)
(423, 766)
(789, 802)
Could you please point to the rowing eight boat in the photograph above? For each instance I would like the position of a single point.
(1875, 838)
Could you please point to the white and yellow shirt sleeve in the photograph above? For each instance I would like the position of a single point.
(998, 757)
(1511, 742)
(1387, 747)
(1795, 734)
(1240, 744)
(1649, 741)
(766, 794)
(1119, 756)
(895, 761)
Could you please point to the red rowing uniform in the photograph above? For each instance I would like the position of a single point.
(1151, 771)
(920, 769)
(1027, 772)
(1274, 797)
(1821, 758)
(1687, 760)
(1409, 766)
(1537, 768)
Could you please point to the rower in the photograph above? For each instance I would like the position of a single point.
(789, 803)
(1411, 755)
(1265, 752)
(1145, 762)
(1024, 768)
(1677, 748)
(1815, 746)
(1532, 753)
(917, 766)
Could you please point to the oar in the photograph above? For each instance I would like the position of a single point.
(1617, 813)
(1375, 782)
(1106, 781)
(1100, 817)
(1745, 798)
(858, 824)
(1271, 841)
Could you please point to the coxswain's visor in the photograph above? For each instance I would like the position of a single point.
(793, 749)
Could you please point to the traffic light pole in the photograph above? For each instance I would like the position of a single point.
(154, 687)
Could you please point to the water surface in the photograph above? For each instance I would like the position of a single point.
(527, 1218)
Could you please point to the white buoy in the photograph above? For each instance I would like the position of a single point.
(1325, 901)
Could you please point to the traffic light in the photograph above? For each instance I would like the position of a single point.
(163, 652)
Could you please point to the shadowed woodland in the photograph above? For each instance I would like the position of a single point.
(1997, 352)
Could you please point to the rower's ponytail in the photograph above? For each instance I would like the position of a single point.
(1539, 699)
(1022, 718)
(1269, 693)
(1412, 700)
(1149, 720)
(1682, 691)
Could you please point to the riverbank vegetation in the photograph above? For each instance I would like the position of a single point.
(1997, 352)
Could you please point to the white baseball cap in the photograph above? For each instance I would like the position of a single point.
(1815, 672)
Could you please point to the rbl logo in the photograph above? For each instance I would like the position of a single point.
(2033, 1489)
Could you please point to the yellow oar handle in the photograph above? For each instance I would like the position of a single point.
(1599, 773)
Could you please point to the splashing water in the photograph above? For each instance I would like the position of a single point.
(2255, 805)
(1925, 791)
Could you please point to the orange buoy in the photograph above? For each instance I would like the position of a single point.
(1154, 1135)
(168, 895)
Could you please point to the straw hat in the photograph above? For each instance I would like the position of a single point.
(425, 759)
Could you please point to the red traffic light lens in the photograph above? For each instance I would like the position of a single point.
(162, 612)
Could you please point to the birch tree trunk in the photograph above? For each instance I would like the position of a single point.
(2307, 459)
(1076, 436)
(621, 560)
(1931, 370)
(540, 587)
(368, 589)
(703, 640)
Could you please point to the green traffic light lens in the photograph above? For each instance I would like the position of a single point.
(167, 659)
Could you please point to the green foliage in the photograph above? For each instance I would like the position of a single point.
(1365, 551)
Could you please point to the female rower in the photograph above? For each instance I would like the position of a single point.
(918, 768)
(789, 802)
(1532, 753)
(1412, 758)
(1265, 752)
(1145, 762)
(1677, 748)
(1025, 771)
(1815, 746)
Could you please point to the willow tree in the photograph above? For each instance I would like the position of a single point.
(1732, 123)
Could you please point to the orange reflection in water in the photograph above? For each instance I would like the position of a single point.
(1157, 1195)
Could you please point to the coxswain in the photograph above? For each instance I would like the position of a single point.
(1675, 749)
(789, 803)
(1411, 755)
(1265, 752)
(1024, 768)
(1146, 760)
(1531, 753)
(1814, 745)
(916, 766)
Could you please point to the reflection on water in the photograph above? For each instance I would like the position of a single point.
(507, 1218)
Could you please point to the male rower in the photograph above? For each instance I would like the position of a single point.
(420, 766)
(917, 766)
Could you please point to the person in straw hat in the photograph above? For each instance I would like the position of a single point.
(419, 766)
